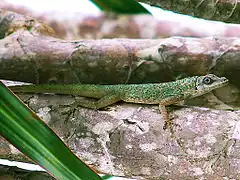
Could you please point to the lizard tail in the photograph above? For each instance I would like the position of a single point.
(93, 91)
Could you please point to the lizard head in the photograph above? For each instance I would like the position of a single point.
(209, 82)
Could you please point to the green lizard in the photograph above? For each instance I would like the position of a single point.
(163, 94)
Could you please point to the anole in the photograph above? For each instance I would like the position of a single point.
(163, 94)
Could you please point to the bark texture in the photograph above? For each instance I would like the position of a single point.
(129, 140)
(82, 26)
(43, 59)
(219, 10)
(15, 173)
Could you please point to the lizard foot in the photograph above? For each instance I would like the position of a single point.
(169, 125)
(169, 122)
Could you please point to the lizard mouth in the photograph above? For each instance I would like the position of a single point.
(224, 81)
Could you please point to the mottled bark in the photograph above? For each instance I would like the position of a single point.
(82, 26)
(219, 10)
(41, 59)
(28, 53)
(15, 173)
(129, 140)
(11, 22)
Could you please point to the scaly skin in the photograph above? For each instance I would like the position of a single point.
(163, 94)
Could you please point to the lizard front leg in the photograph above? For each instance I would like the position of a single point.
(162, 107)
(168, 123)
(101, 103)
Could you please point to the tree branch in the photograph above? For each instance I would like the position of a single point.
(219, 10)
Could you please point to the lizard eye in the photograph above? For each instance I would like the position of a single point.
(208, 80)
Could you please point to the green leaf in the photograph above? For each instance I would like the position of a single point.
(27, 132)
(121, 6)
(107, 177)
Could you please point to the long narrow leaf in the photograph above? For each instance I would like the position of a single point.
(121, 6)
(27, 132)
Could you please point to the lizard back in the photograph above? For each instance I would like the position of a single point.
(154, 93)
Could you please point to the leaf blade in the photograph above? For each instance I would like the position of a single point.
(121, 6)
(27, 132)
